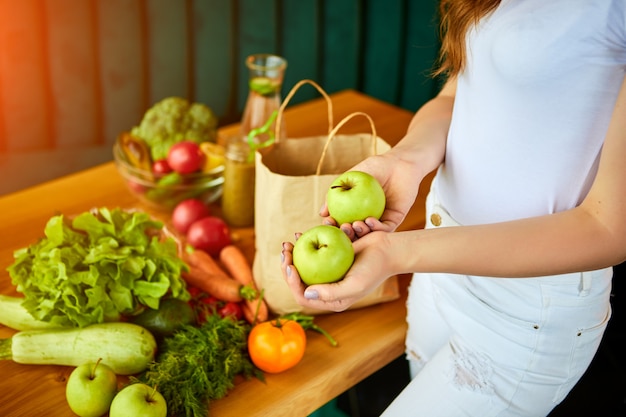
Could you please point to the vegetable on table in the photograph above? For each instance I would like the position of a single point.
(198, 364)
(276, 345)
(220, 286)
(14, 315)
(97, 267)
(210, 234)
(255, 310)
(125, 347)
(230, 309)
(171, 315)
(172, 120)
(204, 305)
(188, 211)
(206, 274)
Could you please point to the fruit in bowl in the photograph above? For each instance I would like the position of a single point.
(171, 155)
(163, 188)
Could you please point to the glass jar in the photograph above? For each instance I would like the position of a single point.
(265, 81)
(238, 187)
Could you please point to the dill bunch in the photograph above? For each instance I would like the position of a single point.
(198, 364)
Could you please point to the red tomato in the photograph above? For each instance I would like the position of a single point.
(276, 345)
(161, 167)
(205, 306)
(188, 211)
(209, 300)
(194, 292)
(210, 234)
(186, 157)
(231, 309)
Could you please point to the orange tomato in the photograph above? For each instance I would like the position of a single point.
(276, 345)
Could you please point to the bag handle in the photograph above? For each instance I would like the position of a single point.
(334, 131)
(295, 88)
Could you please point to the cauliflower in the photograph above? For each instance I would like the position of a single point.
(172, 120)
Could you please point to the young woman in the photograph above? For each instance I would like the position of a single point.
(525, 217)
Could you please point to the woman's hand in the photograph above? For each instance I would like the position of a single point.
(400, 180)
(401, 169)
(370, 268)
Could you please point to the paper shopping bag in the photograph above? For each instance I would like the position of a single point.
(292, 178)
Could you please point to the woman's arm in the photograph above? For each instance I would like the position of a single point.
(590, 236)
(424, 144)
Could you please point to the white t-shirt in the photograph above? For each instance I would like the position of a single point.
(532, 108)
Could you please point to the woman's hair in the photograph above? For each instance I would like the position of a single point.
(457, 17)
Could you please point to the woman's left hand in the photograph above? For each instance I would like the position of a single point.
(369, 270)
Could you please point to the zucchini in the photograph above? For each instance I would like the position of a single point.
(15, 316)
(125, 347)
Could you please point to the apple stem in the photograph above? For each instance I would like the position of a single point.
(151, 396)
(93, 370)
(344, 187)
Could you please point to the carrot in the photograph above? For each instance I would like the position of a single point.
(232, 258)
(206, 274)
(219, 286)
(248, 314)
(236, 264)
(255, 310)
(202, 260)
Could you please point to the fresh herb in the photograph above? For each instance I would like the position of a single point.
(199, 364)
(97, 267)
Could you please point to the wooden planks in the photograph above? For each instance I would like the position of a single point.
(24, 77)
(73, 73)
(123, 67)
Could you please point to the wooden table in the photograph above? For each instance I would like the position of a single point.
(369, 338)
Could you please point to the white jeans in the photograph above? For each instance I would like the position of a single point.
(485, 347)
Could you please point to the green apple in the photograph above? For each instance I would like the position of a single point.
(90, 389)
(323, 254)
(138, 400)
(355, 195)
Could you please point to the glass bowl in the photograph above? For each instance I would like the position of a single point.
(165, 192)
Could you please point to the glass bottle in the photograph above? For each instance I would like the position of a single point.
(265, 80)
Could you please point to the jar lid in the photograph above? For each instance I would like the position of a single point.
(237, 150)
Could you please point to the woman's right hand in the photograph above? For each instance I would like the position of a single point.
(400, 180)
(401, 169)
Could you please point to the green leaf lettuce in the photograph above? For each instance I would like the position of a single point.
(97, 267)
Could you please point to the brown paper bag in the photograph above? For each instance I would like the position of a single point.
(292, 177)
